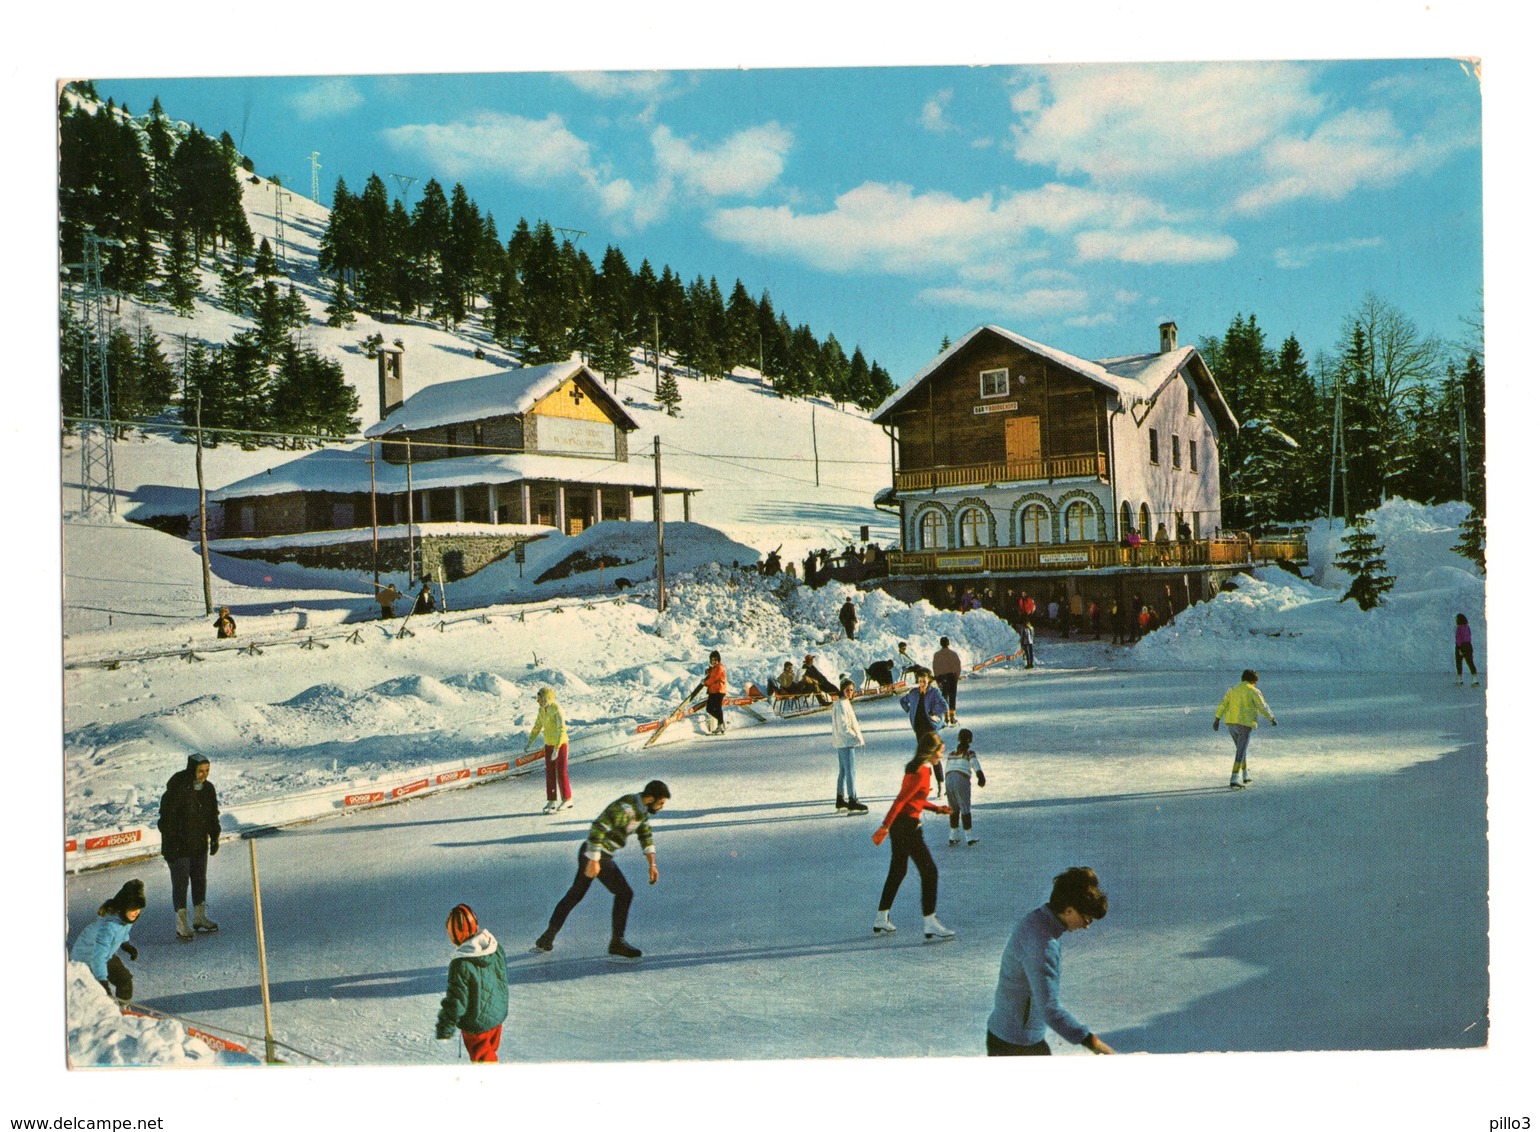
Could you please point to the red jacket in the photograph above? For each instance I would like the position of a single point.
(716, 679)
(912, 797)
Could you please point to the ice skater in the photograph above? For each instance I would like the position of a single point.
(476, 1002)
(189, 836)
(847, 737)
(1239, 710)
(99, 942)
(1464, 654)
(552, 727)
(596, 861)
(962, 767)
(923, 704)
(1027, 994)
(908, 840)
(947, 667)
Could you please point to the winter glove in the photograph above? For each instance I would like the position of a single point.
(105, 986)
(1275, 723)
(980, 777)
(129, 949)
(213, 846)
(880, 836)
(1216, 723)
(943, 809)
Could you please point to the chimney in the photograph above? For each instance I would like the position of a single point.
(1167, 337)
(390, 379)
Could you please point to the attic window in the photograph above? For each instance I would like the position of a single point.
(994, 383)
(1192, 402)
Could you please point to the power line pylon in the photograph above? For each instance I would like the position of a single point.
(404, 185)
(98, 480)
(315, 175)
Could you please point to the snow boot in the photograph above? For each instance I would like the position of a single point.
(620, 949)
(184, 930)
(935, 930)
(883, 926)
(856, 807)
(545, 942)
(201, 921)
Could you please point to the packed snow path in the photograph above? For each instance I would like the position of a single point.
(1338, 903)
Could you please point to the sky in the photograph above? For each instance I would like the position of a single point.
(896, 206)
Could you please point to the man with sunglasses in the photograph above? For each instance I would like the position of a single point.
(1027, 995)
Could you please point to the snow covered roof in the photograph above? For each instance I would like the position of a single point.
(1134, 378)
(346, 470)
(492, 395)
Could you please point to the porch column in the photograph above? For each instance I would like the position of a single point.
(524, 502)
(459, 504)
(686, 506)
(492, 502)
(598, 504)
(561, 507)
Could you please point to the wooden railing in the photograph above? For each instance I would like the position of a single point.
(1094, 556)
(1003, 471)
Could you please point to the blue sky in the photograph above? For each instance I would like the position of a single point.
(1080, 205)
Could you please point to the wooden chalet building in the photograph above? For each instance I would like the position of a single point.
(508, 456)
(1020, 468)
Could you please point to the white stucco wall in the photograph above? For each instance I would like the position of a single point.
(1163, 488)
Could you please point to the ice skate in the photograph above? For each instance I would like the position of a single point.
(883, 925)
(973, 837)
(856, 807)
(620, 949)
(935, 931)
(184, 931)
(841, 804)
(544, 943)
(550, 807)
(953, 838)
(201, 921)
(565, 805)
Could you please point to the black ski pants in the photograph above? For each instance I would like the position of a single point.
(907, 842)
(611, 878)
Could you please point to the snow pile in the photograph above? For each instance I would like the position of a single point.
(99, 1033)
(1278, 621)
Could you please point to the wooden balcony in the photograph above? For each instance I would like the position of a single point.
(1003, 471)
(1092, 556)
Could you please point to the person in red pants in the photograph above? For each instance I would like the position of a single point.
(476, 1003)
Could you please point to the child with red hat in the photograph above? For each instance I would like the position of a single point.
(476, 1003)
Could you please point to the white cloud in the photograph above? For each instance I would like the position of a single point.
(1037, 303)
(1138, 121)
(743, 165)
(1298, 257)
(1154, 245)
(326, 98)
(1354, 149)
(530, 151)
(619, 84)
(933, 113)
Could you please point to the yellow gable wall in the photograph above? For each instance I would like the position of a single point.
(559, 403)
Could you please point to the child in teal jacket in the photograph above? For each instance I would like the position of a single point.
(476, 1003)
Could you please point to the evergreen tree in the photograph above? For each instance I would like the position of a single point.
(265, 266)
(181, 280)
(340, 311)
(1473, 539)
(235, 284)
(311, 395)
(272, 320)
(1363, 558)
(157, 381)
(668, 392)
(545, 321)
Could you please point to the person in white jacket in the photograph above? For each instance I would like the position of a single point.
(847, 737)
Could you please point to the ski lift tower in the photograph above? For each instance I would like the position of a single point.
(573, 234)
(404, 185)
(98, 481)
(315, 175)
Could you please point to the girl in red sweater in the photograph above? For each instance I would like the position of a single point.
(908, 840)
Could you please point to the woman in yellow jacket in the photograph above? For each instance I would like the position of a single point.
(550, 725)
(1239, 710)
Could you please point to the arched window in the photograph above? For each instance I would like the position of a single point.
(1079, 522)
(1144, 520)
(972, 527)
(1128, 520)
(1036, 526)
(932, 531)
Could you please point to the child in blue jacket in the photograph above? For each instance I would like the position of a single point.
(98, 945)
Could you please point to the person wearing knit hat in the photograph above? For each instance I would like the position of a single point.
(476, 1002)
(552, 729)
(189, 836)
(98, 945)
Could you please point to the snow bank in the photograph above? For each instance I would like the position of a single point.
(99, 1033)
(1281, 622)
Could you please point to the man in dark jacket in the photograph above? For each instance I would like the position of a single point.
(848, 618)
(189, 836)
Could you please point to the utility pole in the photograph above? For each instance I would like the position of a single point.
(374, 517)
(98, 480)
(657, 511)
(315, 175)
(1336, 446)
(411, 557)
(1464, 464)
(817, 482)
(654, 355)
(203, 509)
